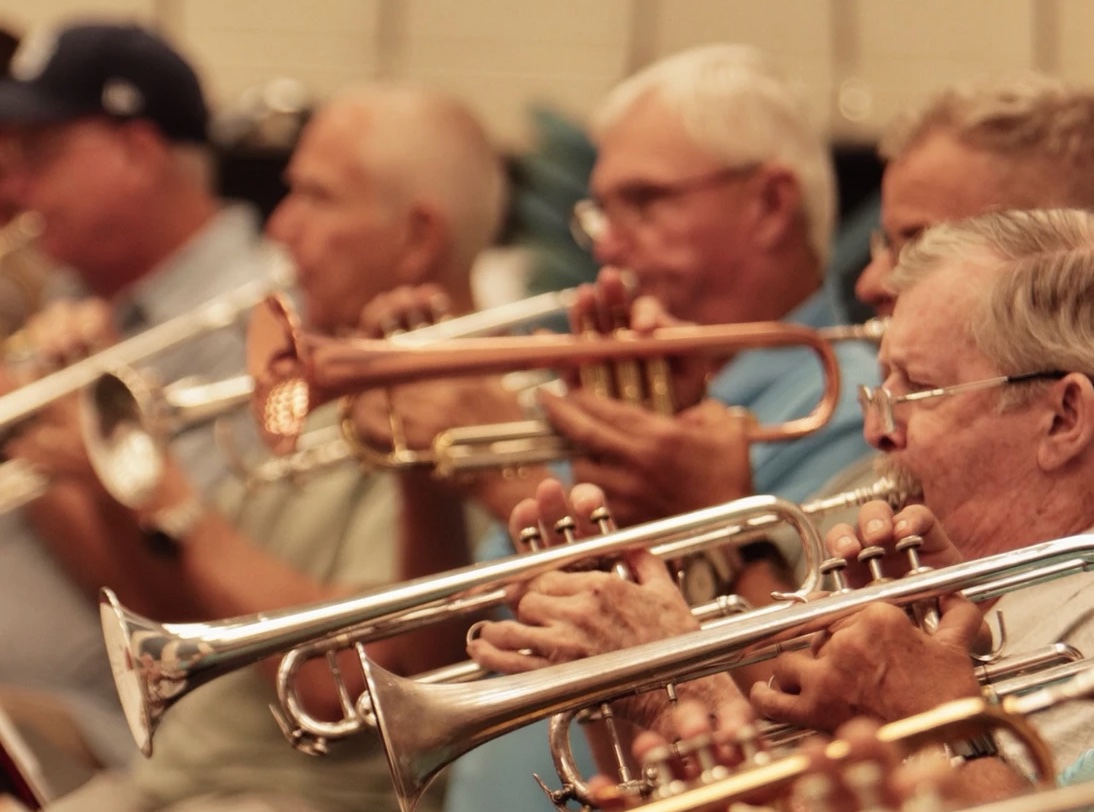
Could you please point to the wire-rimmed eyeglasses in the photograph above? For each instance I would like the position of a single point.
(632, 205)
(882, 401)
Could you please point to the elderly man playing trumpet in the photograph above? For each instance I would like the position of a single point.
(988, 402)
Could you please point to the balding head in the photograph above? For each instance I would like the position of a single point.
(390, 185)
(424, 147)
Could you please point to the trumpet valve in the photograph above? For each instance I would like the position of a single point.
(910, 547)
(566, 527)
(531, 538)
(834, 569)
(871, 557)
(602, 518)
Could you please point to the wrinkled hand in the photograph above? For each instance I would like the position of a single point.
(651, 466)
(564, 616)
(53, 444)
(404, 308)
(689, 722)
(874, 663)
(607, 307)
(428, 408)
(61, 333)
(878, 526)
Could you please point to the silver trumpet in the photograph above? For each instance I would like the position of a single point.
(216, 314)
(306, 732)
(425, 727)
(127, 418)
(155, 664)
(20, 482)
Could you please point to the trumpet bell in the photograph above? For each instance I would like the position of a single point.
(117, 417)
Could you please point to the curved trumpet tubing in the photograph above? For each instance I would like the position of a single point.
(1012, 675)
(424, 727)
(156, 663)
(295, 372)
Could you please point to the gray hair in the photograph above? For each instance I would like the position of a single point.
(1033, 120)
(1037, 313)
(738, 106)
(430, 147)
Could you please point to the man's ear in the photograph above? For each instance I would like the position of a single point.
(1070, 430)
(426, 245)
(778, 204)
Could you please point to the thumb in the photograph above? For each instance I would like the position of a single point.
(648, 569)
(960, 622)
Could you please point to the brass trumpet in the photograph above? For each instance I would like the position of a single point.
(957, 719)
(295, 371)
(155, 664)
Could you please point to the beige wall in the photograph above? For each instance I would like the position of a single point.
(860, 59)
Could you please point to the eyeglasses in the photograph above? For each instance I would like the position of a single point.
(882, 245)
(881, 400)
(632, 206)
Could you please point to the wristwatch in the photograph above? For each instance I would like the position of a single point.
(168, 528)
(980, 746)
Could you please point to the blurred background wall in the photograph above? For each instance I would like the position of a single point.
(534, 69)
(860, 59)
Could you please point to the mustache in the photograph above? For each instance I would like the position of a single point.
(906, 481)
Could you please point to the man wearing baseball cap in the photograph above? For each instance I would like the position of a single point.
(102, 134)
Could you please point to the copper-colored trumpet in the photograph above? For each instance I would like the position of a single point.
(296, 372)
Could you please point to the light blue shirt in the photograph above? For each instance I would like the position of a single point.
(775, 385)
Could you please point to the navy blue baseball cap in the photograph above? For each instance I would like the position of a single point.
(98, 69)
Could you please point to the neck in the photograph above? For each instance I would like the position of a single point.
(1025, 515)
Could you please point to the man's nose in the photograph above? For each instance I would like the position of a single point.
(876, 434)
(872, 287)
(612, 246)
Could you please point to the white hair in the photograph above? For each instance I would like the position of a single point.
(1037, 313)
(427, 146)
(1030, 121)
(736, 104)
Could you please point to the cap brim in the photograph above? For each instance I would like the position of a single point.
(22, 103)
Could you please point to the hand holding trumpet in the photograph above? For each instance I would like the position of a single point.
(563, 616)
(645, 459)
